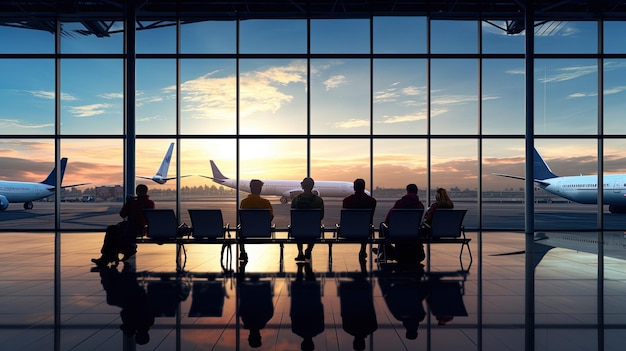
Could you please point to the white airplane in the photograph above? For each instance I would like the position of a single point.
(582, 189)
(161, 175)
(286, 189)
(27, 192)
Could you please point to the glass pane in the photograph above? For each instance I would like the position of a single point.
(613, 37)
(327, 164)
(92, 96)
(454, 166)
(340, 36)
(566, 37)
(19, 38)
(155, 103)
(567, 203)
(497, 40)
(93, 37)
(273, 36)
(27, 99)
(212, 37)
(99, 164)
(400, 96)
(504, 97)
(453, 37)
(149, 154)
(397, 163)
(614, 102)
(566, 96)
(400, 35)
(27, 160)
(340, 91)
(208, 101)
(454, 96)
(503, 197)
(156, 37)
(614, 186)
(273, 96)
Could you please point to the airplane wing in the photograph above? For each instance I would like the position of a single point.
(520, 178)
(68, 186)
(144, 177)
(170, 178)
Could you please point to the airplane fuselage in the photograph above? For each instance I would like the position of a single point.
(584, 189)
(24, 191)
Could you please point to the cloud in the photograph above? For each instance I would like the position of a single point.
(88, 110)
(49, 95)
(16, 123)
(412, 117)
(335, 81)
(352, 123)
(110, 96)
(569, 73)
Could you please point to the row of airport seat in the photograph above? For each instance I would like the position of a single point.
(255, 227)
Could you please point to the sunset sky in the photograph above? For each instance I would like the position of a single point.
(273, 101)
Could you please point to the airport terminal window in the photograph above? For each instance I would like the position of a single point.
(340, 36)
(340, 96)
(399, 35)
(27, 99)
(614, 102)
(613, 31)
(496, 40)
(566, 96)
(155, 100)
(566, 37)
(78, 43)
(31, 41)
(340, 159)
(92, 100)
(399, 96)
(208, 37)
(156, 37)
(208, 96)
(396, 163)
(272, 96)
(453, 37)
(503, 97)
(273, 36)
(454, 96)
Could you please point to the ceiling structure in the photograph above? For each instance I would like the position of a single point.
(98, 16)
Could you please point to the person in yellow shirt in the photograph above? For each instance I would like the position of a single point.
(254, 200)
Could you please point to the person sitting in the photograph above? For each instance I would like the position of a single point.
(360, 200)
(442, 200)
(254, 200)
(120, 238)
(307, 199)
(409, 200)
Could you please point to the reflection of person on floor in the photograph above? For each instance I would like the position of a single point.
(122, 290)
(307, 310)
(256, 307)
(404, 294)
(358, 317)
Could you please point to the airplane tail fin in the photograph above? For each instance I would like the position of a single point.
(541, 169)
(216, 171)
(52, 177)
(165, 164)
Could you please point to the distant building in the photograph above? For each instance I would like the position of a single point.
(110, 193)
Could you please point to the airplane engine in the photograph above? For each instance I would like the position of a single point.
(4, 203)
(316, 192)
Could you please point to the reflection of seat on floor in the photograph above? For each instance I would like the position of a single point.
(446, 299)
(165, 295)
(207, 299)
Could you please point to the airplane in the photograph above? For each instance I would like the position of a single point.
(581, 189)
(286, 189)
(161, 175)
(27, 192)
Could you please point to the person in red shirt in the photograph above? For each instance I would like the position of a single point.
(120, 238)
(360, 200)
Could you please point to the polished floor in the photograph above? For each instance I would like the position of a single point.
(562, 301)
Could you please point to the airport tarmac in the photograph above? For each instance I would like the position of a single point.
(95, 216)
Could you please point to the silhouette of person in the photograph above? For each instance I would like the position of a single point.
(358, 317)
(307, 310)
(445, 300)
(254, 200)
(360, 200)
(408, 251)
(307, 199)
(404, 292)
(120, 238)
(442, 200)
(122, 290)
(256, 307)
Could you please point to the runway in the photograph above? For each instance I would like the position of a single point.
(95, 216)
